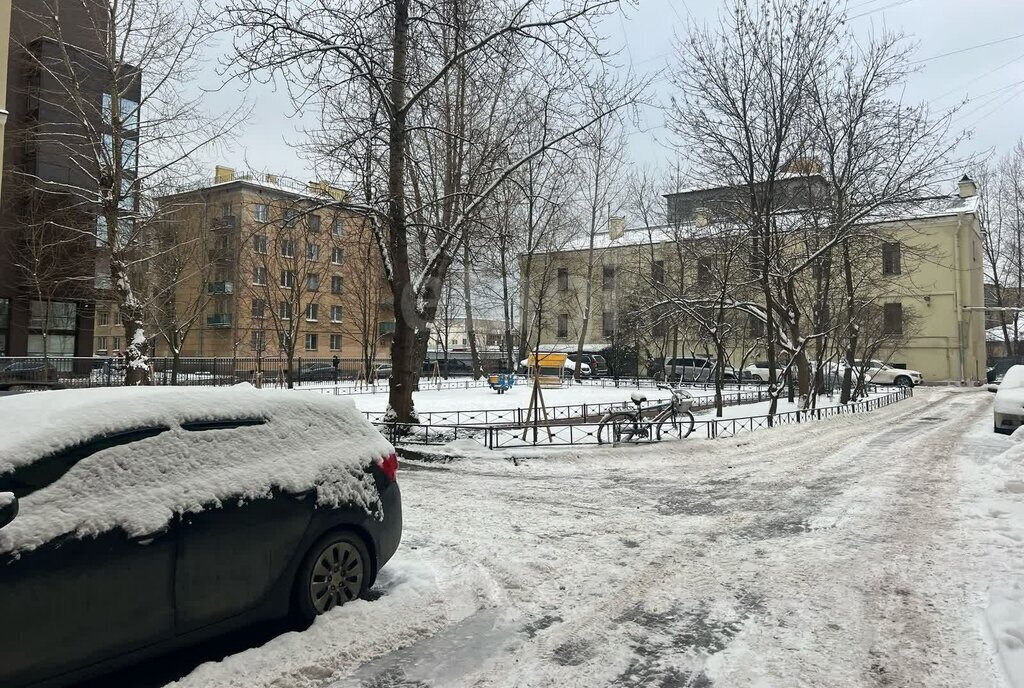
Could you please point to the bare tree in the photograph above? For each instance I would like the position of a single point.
(139, 54)
(393, 65)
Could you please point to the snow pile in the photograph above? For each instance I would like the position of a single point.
(308, 442)
(1005, 620)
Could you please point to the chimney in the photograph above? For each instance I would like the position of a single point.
(616, 227)
(223, 174)
(968, 189)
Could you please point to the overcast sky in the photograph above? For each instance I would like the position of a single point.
(992, 77)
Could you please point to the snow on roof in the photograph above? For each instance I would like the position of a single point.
(310, 442)
(917, 209)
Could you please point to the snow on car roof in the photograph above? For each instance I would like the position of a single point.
(310, 442)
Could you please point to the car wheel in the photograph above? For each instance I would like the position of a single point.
(336, 570)
(903, 381)
(758, 378)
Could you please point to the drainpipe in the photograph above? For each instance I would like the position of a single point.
(957, 299)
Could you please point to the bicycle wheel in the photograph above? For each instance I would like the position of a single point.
(619, 426)
(676, 427)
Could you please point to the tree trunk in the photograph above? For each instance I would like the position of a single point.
(846, 393)
(403, 347)
(467, 297)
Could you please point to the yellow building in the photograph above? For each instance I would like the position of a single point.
(924, 275)
(250, 266)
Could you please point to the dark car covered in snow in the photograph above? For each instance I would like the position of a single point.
(137, 520)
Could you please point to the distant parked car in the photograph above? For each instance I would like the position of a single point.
(759, 371)
(996, 371)
(383, 371)
(176, 514)
(32, 370)
(569, 369)
(694, 370)
(1008, 408)
(879, 373)
(317, 372)
(453, 366)
(598, 365)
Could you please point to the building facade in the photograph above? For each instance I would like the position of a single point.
(48, 212)
(251, 266)
(926, 277)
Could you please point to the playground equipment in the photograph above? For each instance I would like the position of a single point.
(501, 382)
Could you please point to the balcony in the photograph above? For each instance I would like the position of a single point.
(220, 254)
(386, 328)
(220, 288)
(218, 320)
(224, 222)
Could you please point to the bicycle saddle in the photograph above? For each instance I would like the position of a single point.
(638, 398)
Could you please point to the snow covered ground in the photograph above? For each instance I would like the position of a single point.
(876, 549)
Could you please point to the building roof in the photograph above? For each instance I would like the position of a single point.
(917, 209)
(314, 191)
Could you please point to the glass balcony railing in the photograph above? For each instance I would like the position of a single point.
(220, 288)
(218, 320)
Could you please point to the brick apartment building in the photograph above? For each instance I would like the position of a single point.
(257, 261)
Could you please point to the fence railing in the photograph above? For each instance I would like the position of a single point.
(500, 436)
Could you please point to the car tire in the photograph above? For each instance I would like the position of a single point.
(758, 379)
(903, 381)
(335, 570)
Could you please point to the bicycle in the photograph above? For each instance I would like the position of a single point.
(672, 420)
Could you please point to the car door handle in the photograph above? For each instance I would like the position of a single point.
(144, 540)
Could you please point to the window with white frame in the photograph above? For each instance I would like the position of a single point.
(260, 212)
(337, 255)
(311, 342)
(338, 229)
(259, 276)
(312, 311)
(312, 281)
(287, 247)
(259, 307)
(101, 345)
(336, 284)
(335, 342)
(285, 310)
(336, 313)
(287, 279)
(260, 244)
(312, 252)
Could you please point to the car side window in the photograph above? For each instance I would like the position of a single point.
(39, 474)
(199, 425)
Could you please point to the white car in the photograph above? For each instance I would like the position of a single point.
(759, 372)
(1008, 408)
(879, 373)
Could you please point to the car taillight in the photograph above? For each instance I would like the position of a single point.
(389, 465)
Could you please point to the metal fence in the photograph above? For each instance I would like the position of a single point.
(500, 436)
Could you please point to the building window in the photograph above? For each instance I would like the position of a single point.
(285, 310)
(259, 276)
(658, 272)
(892, 318)
(755, 326)
(608, 278)
(312, 311)
(311, 342)
(259, 244)
(312, 281)
(336, 284)
(290, 216)
(259, 340)
(287, 247)
(608, 324)
(563, 279)
(891, 258)
(337, 255)
(335, 342)
(259, 307)
(312, 252)
(336, 314)
(314, 223)
(116, 344)
(225, 210)
(703, 271)
(261, 212)
(338, 228)
(128, 112)
(287, 279)
(102, 319)
(563, 325)
(101, 345)
(284, 340)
